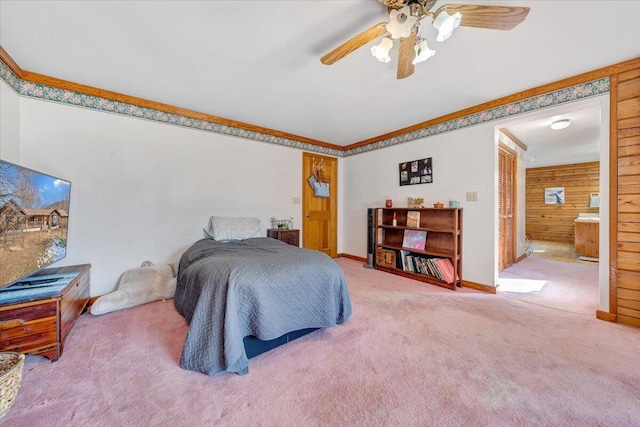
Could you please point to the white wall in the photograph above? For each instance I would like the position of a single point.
(142, 190)
(603, 266)
(463, 160)
(9, 124)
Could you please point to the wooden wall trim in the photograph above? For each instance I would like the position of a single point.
(529, 93)
(603, 315)
(13, 66)
(513, 138)
(479, 287)
(57, 83)
(54, 82)
(353, 257)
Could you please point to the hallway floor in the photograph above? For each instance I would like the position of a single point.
(557, 251)
(553, 276)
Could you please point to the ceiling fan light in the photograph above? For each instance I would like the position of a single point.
(416, 9)
(560, 124)
(422, 52)
(445, 24)
(381, 51)
(401, 22)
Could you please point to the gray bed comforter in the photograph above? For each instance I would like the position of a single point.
(261, 287)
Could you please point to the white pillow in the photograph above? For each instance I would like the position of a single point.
(222, 228)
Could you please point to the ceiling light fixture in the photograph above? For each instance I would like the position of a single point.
(405, 19)
(445, 24)
(405, 22)
(381, 51)
(422, 52)
(560, 124)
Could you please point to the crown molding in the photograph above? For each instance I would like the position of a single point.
(252, 131)
(582, 86)
(8, 60)
(599, 74)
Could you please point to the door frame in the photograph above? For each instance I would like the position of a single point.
(307, 192)
(514, 209)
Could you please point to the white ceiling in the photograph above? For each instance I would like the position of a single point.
(578, 143)
(258, 62)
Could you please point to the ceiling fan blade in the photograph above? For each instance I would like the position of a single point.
(356, 42)
(492, 17)
(405, 57)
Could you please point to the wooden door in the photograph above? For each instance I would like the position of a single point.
(320, 214)
(506, 207)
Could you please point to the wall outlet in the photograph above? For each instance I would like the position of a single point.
(296, 200)
(472, 196)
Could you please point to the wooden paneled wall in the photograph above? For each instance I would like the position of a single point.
(555, 222)
(625, 208)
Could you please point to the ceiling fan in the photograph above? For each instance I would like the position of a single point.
(405, 19)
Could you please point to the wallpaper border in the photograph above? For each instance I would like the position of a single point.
(47, 93)
(570, 94)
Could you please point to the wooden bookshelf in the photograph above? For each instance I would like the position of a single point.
(442, 245)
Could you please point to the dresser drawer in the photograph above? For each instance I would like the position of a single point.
(27, 312)
(31, 335)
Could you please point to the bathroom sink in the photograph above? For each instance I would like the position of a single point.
(588, 217)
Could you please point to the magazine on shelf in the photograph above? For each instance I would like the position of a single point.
(413, 219)
(414, 239)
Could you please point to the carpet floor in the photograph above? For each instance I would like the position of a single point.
(566, 286)
(411, 355)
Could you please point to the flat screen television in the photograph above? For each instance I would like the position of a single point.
(34, 220)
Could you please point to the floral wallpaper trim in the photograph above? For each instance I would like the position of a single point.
(11, 79)
(570, 94)
(48, 93)
(574, 93)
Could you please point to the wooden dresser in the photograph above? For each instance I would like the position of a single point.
(40, 325)
(290, 236)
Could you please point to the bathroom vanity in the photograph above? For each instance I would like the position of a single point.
(587, 236)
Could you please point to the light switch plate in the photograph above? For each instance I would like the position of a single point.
(296, 200)
(472, 196)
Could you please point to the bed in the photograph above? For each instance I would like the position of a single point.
(232, 292)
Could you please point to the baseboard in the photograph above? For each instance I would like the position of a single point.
(520, 258)
(357, 258)
(479, 287)
(603, 315)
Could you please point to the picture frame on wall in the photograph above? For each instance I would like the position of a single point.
(416, 172)
(554, 196)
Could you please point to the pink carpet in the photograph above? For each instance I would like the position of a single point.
(567, 286)
(411, 355)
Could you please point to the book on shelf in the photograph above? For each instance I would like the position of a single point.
(443, 266)
(410, 266)
(403, 258)
(413, 219)
(434, 268)
(414, 239)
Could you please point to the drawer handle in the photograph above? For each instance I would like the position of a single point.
(11, 323)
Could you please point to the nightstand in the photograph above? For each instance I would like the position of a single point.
(289, 236)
